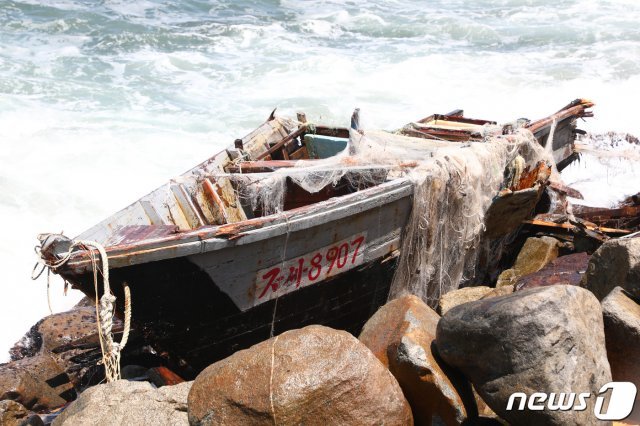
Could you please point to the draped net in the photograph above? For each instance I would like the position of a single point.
(454, 184)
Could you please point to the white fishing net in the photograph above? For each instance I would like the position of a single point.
(454, 185)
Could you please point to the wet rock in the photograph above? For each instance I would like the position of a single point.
(400, 335)
(28, 345)
(36, 382)
(128, 403)
(548, 339)
(534, 255)
(615, 263)
(460, 296)
(313, 376)
(567, 270)
(621, 313)
(12, 413)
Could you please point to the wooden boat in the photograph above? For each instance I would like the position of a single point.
(211, 274)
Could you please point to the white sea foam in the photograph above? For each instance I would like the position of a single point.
(100, 103)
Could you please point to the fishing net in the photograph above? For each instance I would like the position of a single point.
(454, 184)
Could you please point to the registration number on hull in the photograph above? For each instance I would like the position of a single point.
(310, 268)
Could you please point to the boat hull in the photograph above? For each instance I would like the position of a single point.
(332, 266)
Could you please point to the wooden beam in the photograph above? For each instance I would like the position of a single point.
(301, 130)
(578, 110)
(569, 226)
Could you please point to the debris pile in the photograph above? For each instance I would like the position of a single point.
(495, 299)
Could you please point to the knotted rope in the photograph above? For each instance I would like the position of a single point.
(104, 306)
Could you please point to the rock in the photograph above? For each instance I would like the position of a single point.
(485, 412)
(36, 382)
(128, 403)
(53, 334)
(460, 296)
(56, 330)
(508, 210)
(499, 291)
(400, 335)
(312, 376)
(85, 302)
(508, 277)
(615, 263)
(33, 420)
(62, 328)
(567, 270)
(534, 255)
(548, 339)
(12, 413)
(621, 313)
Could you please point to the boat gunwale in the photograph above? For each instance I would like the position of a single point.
(216, 237)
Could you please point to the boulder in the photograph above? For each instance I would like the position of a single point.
(621, 313)
(128, 403)
(499, 291)
(547, 339)
(313, 376)
(534, 255)
(62, 328)
(567, 270)
(400, 335)
(12, 413)
(53, 336)
(460, 296)
(56, 330)
(36, 382)
(615, 263)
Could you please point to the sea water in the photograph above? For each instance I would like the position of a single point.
(102, 101)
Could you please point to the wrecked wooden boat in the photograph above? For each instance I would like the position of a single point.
(214, 268)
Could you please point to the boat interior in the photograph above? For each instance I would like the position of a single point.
(211, 195)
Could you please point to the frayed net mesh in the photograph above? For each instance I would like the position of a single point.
(454, 184)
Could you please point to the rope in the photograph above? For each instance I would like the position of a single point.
(104, 306)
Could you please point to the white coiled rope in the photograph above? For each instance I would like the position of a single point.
(104, 306)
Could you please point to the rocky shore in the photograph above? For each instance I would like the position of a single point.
(459, 364)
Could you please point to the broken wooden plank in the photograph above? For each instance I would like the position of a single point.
(576, 108)
(566, 190)
(569, 226)
(599, 214)
(529, 178)
(282, 144)
(262, 166)
(162, 376)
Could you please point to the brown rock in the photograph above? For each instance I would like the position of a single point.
(53, 334)
(621, 313)
(615, 263)
(460, 296)
(400, 335)
(534, 255)
(567, 270)
(62, 328)
(36, 382)
(312, 376)
(57, 330)
(12, 413)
